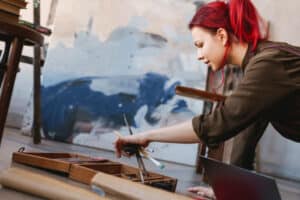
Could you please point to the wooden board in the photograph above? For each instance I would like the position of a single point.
(82, 168)
(60, 162)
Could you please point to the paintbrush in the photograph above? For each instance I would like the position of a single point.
(156, 162)
(145, 153)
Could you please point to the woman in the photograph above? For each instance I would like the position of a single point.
(228, 33)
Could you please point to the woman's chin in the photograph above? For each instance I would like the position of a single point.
(213, 68)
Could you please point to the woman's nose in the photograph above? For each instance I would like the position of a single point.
(199, 55)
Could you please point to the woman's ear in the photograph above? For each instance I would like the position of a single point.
(223, 36)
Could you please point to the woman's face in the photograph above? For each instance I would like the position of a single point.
(210, 46)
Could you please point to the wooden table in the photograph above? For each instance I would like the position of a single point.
(18, 36)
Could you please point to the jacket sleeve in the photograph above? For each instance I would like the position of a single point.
(265, 84)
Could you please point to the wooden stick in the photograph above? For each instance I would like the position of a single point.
(117, 133)
(199, 94)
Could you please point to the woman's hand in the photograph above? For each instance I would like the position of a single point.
(121, 142)
(203, 192)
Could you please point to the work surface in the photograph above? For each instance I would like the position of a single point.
(186, 175)
(13, 140)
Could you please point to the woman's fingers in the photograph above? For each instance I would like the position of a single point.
(203, 191)
(129, 141)
(193, 189)
(118, 147)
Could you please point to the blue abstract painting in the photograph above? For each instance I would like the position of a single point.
(124, 60)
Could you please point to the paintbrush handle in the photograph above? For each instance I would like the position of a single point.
(156, 162)
(117, 133)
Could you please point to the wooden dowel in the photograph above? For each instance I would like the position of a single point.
(199, 94)
(117, 133)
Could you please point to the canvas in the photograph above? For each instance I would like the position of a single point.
(107, 58)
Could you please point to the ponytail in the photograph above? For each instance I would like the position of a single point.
(244, 21)
(238, 17)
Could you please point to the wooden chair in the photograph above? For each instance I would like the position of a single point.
(16, 36)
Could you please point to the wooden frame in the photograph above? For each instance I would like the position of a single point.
(82, 168)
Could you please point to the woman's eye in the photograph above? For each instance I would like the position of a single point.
(199, 45)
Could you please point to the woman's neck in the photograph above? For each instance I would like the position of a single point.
(237, 53)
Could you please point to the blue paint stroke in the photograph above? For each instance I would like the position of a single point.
(69, 101)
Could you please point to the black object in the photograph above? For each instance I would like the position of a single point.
(231, 182)
(131, 149)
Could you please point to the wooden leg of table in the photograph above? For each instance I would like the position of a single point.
(9, 80)
(37, 96)
(201, 152)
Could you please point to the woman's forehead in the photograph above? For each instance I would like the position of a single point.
(199, 33)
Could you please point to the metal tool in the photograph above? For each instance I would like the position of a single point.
(142, 170)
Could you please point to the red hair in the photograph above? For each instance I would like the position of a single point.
(238, 17)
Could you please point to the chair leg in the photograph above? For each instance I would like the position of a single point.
(9, 80)
(4, 60)
(36, 96)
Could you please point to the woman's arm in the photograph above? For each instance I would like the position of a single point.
(264, 87)
(179, 133)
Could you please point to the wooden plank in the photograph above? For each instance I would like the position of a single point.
(43, 162)
(199, 94)
(82, 174)
(125, 189)
(60, 162)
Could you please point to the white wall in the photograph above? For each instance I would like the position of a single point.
(284, 19)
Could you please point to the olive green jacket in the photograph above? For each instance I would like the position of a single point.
(270, 89)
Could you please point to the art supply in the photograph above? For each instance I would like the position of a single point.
(149, 157)
(142, 151)
(143, 172)
(83, 172)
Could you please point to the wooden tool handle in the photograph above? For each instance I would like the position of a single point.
(43, 186)
(199, 94)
